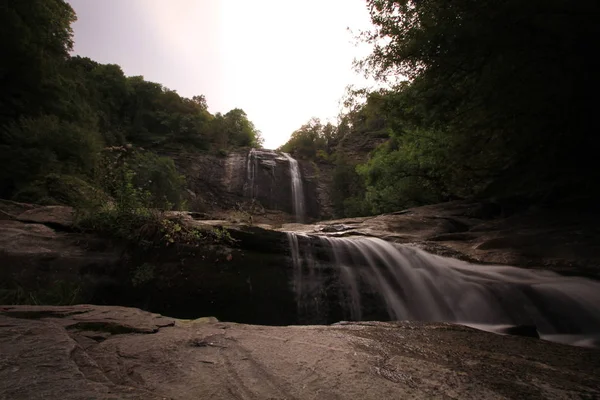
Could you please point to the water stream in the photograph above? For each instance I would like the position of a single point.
(251, 167)
(297, 189)
(364, 278)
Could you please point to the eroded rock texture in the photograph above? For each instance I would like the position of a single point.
(97, 352)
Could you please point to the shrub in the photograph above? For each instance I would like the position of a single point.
(143, 274)
(141, 179)
(31, 148)
(60, 189)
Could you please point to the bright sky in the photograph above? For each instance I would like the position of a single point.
(282, 61)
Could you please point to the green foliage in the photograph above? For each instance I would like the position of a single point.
(347, 191)
(60, 189)
(32, 148)
(143, 274)
(58, 293)
(221, 235)
(233, 129)
(58, 113)
(141, 179)
(131, 225)
(495, 102)
(312, 141)
(158, 176)
(240, 217)
(35, 40)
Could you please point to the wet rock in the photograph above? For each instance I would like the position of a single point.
(335, 228)
(522, 330)
(37, 258)
(564, 241)
(247, 180)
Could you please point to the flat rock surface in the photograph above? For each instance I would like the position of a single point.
(60, 216)
(93, 352)
(566, 242)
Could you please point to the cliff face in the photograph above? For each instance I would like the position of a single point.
(353, 149)
(257, 182)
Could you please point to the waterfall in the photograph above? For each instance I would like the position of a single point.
(368, 278)
(251, 166)
(306, 278)
(297, 189)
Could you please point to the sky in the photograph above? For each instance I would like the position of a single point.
(281, 61)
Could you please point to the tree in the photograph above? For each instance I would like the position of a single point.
(34, 147)
(312, 140)
(59, 113)
(234, 129)
(503, 87)
(35, 40)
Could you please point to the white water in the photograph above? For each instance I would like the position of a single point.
(251, 166)
(414, 285)
(297, 189)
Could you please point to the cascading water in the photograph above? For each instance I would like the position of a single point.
(251, 166)
(366, 276)
(297, 189)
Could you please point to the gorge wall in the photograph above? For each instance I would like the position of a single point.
(255, 181)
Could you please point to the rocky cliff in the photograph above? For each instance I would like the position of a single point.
(257, 182)
(257, 278)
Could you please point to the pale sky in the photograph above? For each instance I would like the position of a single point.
(281, 61)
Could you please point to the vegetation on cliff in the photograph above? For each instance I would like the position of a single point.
(483, 99)
(74, 130)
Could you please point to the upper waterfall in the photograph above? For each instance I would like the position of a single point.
(251, 166)
(297, 188)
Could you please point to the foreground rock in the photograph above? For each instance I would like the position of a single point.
(95, 352)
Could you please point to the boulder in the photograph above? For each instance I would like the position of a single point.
(57, 216)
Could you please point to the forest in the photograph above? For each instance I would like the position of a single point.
(480, 100)
(74, 131)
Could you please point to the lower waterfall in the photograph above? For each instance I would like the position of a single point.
(365, 278)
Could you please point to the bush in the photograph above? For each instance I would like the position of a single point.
(141, 179)
(348, 191)
(143, 274)
(31, 148)
(62, 190)
(58, 293)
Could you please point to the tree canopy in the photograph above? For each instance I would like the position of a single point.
(59, 113)
(483, 99)
(497, 93)
(313, 139)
